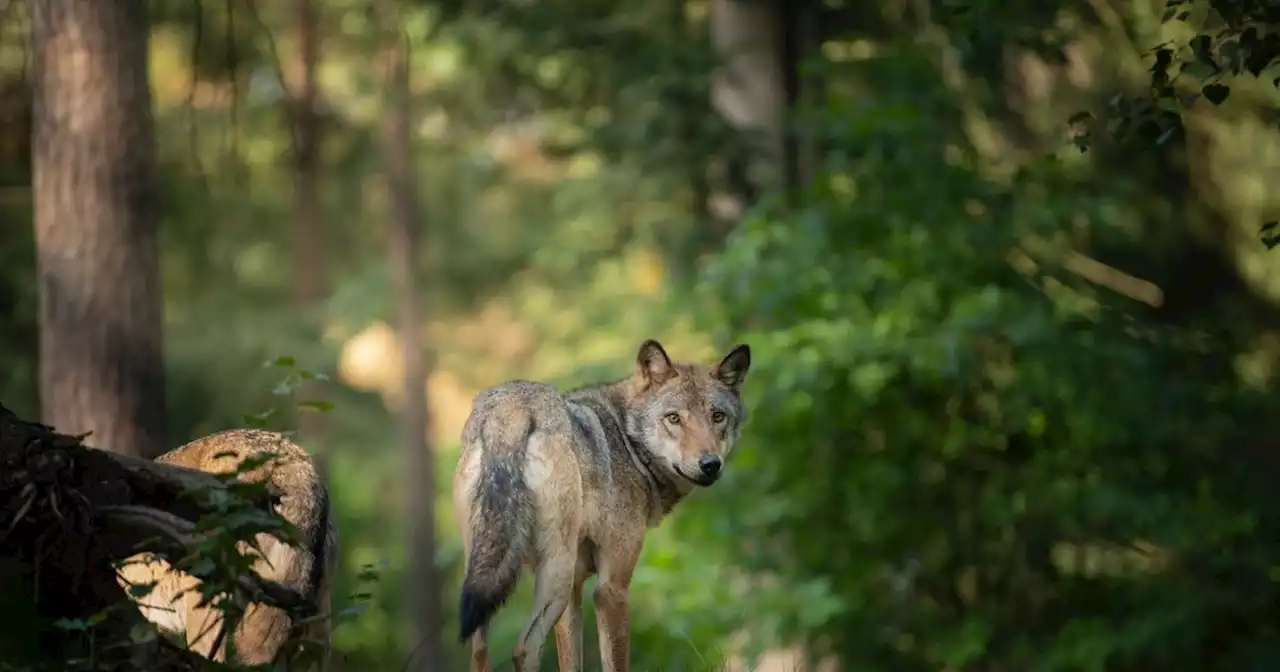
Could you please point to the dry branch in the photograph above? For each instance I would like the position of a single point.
(67, 512)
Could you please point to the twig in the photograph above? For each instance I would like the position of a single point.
(277, 66)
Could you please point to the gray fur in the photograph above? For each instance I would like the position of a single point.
(567, 482)
(502, 515)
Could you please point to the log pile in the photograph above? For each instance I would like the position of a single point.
(67, 512)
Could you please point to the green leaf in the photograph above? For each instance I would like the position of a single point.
(141, 633)
(352, 611)
(142, 589)
(201, 567)
(1270, 234)
(253, 462)
(259, 419)
(317, 405)
(1200, 45)
(1198, 70)
(1164, 57)
(1216, 93)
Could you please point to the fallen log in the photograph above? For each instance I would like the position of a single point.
(67, 513)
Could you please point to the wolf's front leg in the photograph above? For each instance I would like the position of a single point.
(616, 566)
(611, 621)
(569, 633)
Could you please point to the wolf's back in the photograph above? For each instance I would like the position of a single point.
(502, 514)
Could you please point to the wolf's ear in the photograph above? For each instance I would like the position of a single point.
(732, 370)
(652, 363)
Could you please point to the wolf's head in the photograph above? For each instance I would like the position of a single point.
(689, 416)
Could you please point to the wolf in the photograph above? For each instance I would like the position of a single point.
(173, 605)
(567, 483)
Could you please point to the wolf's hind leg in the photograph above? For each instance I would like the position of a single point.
(552, 590)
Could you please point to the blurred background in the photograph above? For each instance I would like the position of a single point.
(1012, 401)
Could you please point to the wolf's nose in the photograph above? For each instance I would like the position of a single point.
(709, 464)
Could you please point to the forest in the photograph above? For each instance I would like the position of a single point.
(1005, 271)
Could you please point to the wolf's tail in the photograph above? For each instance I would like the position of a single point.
(502, 522)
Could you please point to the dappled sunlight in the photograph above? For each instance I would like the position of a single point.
(1009, 400)
(1240, 156)
(371, 359)
(780, 660)
(519, 149)
(1257, 367)
(534, 332)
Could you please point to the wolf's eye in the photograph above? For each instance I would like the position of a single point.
(717, 417)
(673, 418)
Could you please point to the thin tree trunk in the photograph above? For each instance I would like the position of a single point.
(750, 90)
(101, 349)
(310, 287)
(403, 240)
(800, 46)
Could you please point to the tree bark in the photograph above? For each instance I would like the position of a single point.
(403, 238)
(749, 91)
(310, 286)
(101, 361)
(801, 45)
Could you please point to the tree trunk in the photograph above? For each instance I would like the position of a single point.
(308, 223)
(420, 469)
(750, 90)
(101, 360)
(801, 45)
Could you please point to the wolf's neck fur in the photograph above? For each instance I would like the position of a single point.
(608, 401)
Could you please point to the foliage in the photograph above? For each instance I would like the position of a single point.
(1024, 472)
(295, 376)
(962, 454)
(1205, 51)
